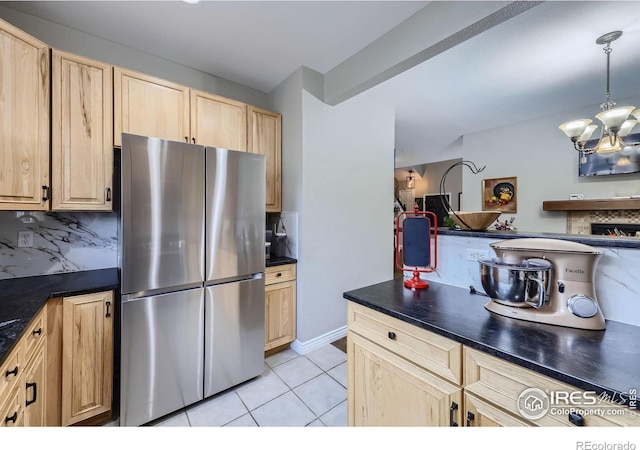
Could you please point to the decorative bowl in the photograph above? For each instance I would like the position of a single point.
(476, 220)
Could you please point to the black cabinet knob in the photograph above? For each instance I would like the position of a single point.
(11, 418)
(391, 335)
(452, 409)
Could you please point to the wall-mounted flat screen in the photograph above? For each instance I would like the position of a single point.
(626, 160)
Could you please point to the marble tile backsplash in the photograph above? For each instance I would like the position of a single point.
(616, 283)
(62, 242)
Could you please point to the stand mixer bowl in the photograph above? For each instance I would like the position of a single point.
(524, 283)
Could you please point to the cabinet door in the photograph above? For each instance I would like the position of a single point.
(12, 411)
(24, 129)
(478, 413)
(82, 135)
(218, 122)
(149, 106)
(87, 356)
(264, 137)
(387, 390)
(34, 385)
(280, 314)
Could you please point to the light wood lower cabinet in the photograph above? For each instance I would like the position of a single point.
(388, 390)
(22, 385)
(280, 306)
(403, 375)
(393, 373)
(80, 359)
(35, 389)
(501, 384)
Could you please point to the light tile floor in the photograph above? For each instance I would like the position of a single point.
(293, 391)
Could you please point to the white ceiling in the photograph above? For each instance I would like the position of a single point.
(542, 61)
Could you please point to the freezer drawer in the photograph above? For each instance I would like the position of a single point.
(161, 355)
(234, 334)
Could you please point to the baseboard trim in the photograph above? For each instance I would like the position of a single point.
(315, 343)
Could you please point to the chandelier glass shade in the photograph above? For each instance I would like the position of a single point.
(411, 180)
(617, 123)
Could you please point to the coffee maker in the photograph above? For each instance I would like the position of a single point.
(543, 280)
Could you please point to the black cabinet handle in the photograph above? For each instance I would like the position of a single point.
(45, 193)
(470, 418)
(108, 194)
(9, 372)
(279, 274)
(35, 393)
(108, 304)
(391, 335)
(38, 331)
(194, 140)
(11, 418)
(452, 409)
(576, 419)
(186, 139)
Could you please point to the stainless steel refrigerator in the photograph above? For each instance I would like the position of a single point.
(191, 259)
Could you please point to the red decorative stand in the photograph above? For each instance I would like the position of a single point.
(416, 282)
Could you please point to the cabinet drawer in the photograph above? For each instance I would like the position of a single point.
(278, 274)
(11, 412)
(501, 383)
(11, 370)
(34, 334)
(435, 353)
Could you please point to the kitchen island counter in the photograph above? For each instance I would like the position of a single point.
(22, 298)
(607, 362)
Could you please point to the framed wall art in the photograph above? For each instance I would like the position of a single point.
(500, 194)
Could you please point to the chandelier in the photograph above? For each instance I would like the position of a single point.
(411, 180)
(616, 124)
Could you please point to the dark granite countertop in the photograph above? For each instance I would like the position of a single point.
(602, 361)
(279, 261)
(588, 239)
(22, 298)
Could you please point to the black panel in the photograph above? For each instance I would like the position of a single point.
(416, 241)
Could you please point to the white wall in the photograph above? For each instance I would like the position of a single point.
(342, 189)
(546, 165)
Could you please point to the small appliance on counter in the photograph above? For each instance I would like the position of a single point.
(543, 280)
(279, 240)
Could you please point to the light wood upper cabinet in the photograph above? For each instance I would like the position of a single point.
(24, 128)
(149, 106)
(82, 133)
(218, 121)
(87, 356)
(264, 137)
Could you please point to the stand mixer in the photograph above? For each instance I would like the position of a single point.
(543, 280)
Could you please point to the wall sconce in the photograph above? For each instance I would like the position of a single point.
(411, 180)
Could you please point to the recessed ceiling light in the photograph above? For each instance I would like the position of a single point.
(191, 2)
